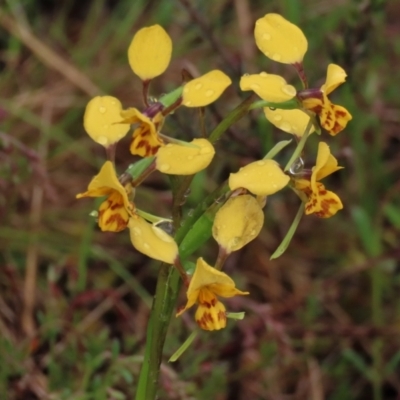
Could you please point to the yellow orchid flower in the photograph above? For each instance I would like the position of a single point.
(206, 284)
(151, 240)
(115, 211)
(333, 117)
(185, 159)
(284, 42)
(99, 121)
(237, 222)
(321, 202)
(261, 178)
(145, 139)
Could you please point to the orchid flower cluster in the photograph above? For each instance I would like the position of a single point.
(240, 218)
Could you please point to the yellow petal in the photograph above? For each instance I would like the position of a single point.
(152, 241)
(334, 118)
(104, 183)
(177, 159)
(335, 76)
(150, 52)
(290, 121)
(101, 119)
(237, 222)
(262, 178)
(326, 163)
(279, 39)
(211, 317)
(323, 203)
(268, 86)
(204, 275)
(206, 89)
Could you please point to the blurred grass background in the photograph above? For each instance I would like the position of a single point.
(322, 321)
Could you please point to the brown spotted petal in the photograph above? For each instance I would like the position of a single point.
(323, 203)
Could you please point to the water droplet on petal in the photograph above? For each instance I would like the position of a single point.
(260, 162)
(137, 231)
(209, 93)
(254, 86)
(277, 117)
(289, 89)
(276, 57)
(266, 36)
(205, 150)
(246, 74)
(102, 109)
(198, 86)
(164, 167)
(263, 74)
(186, 90)
(105, 126)
(190, 157)
(146, 245)
(102, 140)
(188, 103)
(284, 126)
(113, 102)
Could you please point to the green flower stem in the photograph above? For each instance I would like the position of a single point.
(168, 281)
(296, 154)
(286, 105)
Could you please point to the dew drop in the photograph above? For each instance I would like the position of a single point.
(254, 86)
(285, 126)
(277, 117)
(274, 185)
(253, 232)
(186, 90)
(205, 150)
(260, 162)
(164, 167)
(102, 140)
(263, 74)
(198, 86)
(209, 93)
(137, 231)
(102, 109)
(169, 145)
(190, 157)
(266, 36)
(276, 57)
(105, 126)
(289, 90)
(187, 103)
(146, 245)
(246, 74)
(113, 102)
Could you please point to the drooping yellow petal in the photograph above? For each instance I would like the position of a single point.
(177, 159)
(101, 119)
(150, 52)
(290, 121)
(269, 87)
(326, 163)
(334, 118)
(335, 76)
(106, 182)
(152, 241)
(205, 275)
(262, 178)
(279, 39)
(237, 222)
(211, 318)
(323, 203)
(205, 90)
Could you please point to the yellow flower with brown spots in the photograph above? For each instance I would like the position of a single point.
(319, 201)
(284, 42)
(205, 286)
(114, 212)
